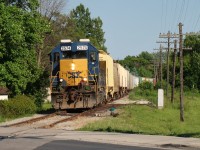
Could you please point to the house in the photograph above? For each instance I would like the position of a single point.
(4, 93)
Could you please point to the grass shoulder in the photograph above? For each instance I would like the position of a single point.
(148, 120)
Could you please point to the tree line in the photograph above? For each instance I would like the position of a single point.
(144, 63)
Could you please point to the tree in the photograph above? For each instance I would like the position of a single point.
(49, 8)
(141, 65)
(19, 35)
(192, 62)
(29, 5)
(86, 27)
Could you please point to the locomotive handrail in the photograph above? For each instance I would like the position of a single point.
(51, 81)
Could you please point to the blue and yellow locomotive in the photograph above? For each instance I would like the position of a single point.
(75, 75)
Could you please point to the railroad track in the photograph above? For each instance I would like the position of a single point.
(85, 113)
(66, 117)
(31, 120)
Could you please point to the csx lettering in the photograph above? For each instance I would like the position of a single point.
(82, 47)
(65, 48)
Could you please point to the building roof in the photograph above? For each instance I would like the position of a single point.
(4, 91)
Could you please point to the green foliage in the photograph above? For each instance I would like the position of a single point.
(86, 27)
(147, 94)
(1, 119)
(191, 63)
(39, 89)
(140, 65)
(146, 85)
(18, 106)
(47, 106)
(146, 91)
(164, 85)
(19, 36)
(24, 4)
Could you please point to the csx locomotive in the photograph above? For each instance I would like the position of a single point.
(84, 77)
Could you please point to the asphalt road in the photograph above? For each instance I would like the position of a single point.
(51, 139)
(29, 143)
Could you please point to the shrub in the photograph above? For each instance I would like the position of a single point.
(146, 85)
(18, 106)
(164, 85)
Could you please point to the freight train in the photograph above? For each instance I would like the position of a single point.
(84, 77)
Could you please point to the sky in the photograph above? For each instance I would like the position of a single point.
(133, 26)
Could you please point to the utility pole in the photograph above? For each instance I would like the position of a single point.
(168, 54)
(180, 36)
(160, 68)
(174, 71)
(155, 69)
(181, 72)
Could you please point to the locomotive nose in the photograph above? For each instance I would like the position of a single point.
(73, 70)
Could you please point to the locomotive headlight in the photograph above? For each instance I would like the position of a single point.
(73, 66)
(61, 80)
(85, 79)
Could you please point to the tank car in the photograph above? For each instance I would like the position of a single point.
(75, 75)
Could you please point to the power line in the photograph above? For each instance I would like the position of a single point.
(175, 14)
(193, 10)
(181, 11)
(195, 21)
(166, 14)
(162, 17)
(186, 10)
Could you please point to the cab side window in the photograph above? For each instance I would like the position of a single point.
(92, 56)
(56, 57)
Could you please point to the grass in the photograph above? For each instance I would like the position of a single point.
(147, 120)
(138, 94)
(1, 119)
(46, 106)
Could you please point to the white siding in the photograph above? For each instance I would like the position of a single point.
(3, 97)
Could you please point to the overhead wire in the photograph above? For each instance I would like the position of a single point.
(175, 15)
(166, 14)
(191, 22)
(197, 22)
(171, 15)
(162, 17)
(181, 11)
(186, 10)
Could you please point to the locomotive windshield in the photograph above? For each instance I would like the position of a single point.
(74, 55)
